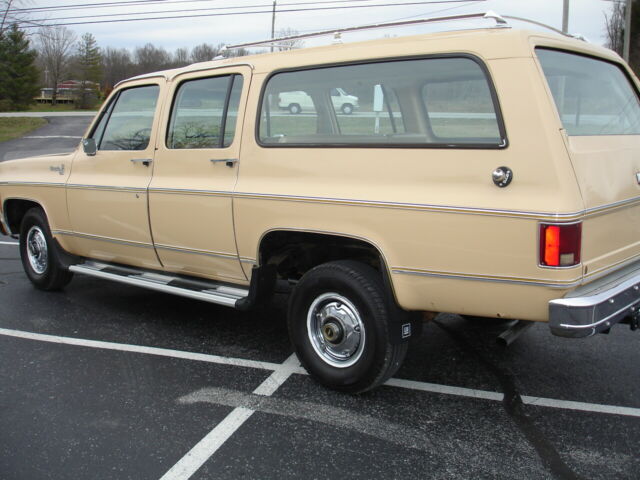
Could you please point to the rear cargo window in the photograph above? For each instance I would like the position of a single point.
(593, 97)
(442, 102)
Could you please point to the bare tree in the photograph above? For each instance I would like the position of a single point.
(55, 45)
(288, 44)
(6, 8)
(614, 23)
(10, 14)
(181, 57)
(204, 52)
(116, 66)
(151, 58)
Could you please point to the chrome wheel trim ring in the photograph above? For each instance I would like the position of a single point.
(37, 251)
(336, 330)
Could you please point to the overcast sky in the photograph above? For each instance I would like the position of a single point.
(586, 17)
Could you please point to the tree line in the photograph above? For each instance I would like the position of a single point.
(57, 54)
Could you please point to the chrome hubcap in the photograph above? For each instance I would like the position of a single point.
(37, 252)
(336, 330)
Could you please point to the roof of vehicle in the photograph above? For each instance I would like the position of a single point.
(486, 43)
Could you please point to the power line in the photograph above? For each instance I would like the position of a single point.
(431, 12)
(197, 10)
(82, 6)
(256, 12)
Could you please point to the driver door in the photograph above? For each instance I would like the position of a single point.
(107, 191)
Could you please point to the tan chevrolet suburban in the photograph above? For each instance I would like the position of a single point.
(491, 172)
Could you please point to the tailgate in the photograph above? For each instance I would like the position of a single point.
(600, 111)
(607, 168)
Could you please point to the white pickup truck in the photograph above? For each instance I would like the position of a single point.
(299, 100)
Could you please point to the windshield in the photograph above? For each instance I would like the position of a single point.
(593, 97)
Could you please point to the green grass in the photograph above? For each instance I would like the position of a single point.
(292, 125)
(14, 127)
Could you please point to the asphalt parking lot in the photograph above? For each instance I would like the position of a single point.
(108, 381)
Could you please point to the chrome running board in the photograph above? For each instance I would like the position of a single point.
(207, 291)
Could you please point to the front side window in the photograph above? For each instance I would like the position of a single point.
(205, 113)
(593, 97)
(127, 125)
(439, 101)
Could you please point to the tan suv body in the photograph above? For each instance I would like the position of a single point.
(489, 173)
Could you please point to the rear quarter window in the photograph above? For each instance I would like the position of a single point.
(444, 101)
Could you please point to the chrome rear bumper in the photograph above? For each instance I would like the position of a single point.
(596, 307)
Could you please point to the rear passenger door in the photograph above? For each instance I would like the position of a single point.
(195, 170)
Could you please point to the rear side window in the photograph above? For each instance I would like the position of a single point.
(127, 124)
(593, 97)
(459, 109)
(429, 102)
(205, 112)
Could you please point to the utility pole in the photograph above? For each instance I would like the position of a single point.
(273, 23)
(627, 31)
(565, 16)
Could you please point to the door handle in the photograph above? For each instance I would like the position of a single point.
(229, 162)
(145, 161)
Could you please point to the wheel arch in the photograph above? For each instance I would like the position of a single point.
(14, 210)
(334, 245)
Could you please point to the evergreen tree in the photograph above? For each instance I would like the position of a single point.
(18, 73)
(89, 64)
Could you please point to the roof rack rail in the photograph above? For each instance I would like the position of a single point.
(491, 15)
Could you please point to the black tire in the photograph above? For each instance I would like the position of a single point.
(39, 254)
(294, 108)
(375, 358)
(347, 109)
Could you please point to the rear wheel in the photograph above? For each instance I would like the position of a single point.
(294, 108)
(39, 256)
(339, 323)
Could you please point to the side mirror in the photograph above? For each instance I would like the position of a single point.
(89, 146)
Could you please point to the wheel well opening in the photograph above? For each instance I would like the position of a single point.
(294, 253)
(15, 210)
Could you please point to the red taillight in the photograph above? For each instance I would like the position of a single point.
(560, 245)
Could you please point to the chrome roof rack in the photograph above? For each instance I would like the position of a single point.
(337, 32)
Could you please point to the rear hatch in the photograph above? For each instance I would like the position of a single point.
(599, 107)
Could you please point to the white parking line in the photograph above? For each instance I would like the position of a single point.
(279, 370)
(9, 243)
(123, 347)
(205, 448)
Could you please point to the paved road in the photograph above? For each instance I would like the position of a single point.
(61, 135)
(107, 381)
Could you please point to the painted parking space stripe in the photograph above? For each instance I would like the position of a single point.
(394, 382)
(527, 400)
(123, 347)
(205, 448)
(9, 243)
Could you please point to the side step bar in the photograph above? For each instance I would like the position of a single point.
(201, 290)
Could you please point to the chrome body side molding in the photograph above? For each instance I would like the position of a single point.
(539, 282)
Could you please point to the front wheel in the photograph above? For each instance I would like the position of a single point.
(339, 323)
(38, 254)
(347, 109)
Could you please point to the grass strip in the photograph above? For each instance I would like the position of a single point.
(14, 127)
